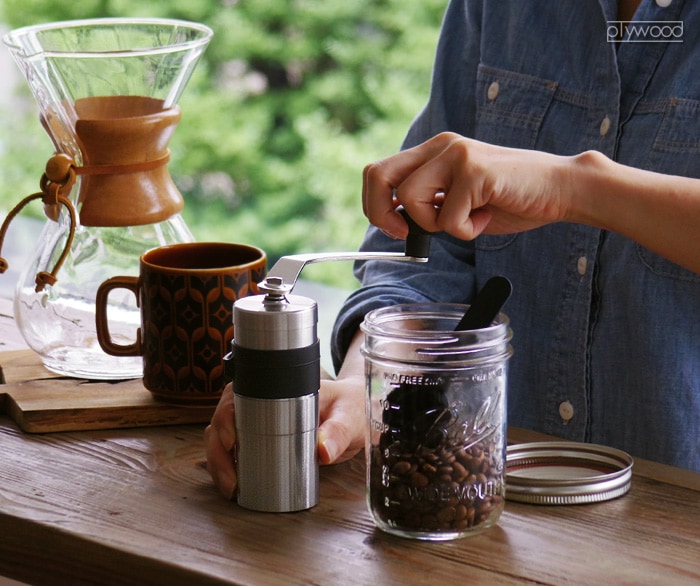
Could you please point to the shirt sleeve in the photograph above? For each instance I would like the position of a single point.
(449, 274)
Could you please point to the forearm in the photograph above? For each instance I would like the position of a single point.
(660, 212)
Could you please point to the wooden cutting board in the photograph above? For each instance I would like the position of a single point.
(40, 401)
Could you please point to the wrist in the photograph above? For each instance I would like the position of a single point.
(588, 182)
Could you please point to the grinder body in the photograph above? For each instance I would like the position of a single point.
(276, 370)
(276, 380)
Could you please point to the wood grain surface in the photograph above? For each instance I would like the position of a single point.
(40, 401)
(137, 506)
(133, 506)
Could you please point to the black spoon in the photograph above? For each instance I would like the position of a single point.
(487, 304)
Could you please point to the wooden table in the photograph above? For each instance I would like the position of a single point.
(136, 506)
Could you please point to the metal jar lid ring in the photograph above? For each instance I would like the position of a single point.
(566, 473)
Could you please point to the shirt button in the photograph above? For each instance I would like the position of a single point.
(493, 90)
(566, 411)
(582, 265)
(604, 126)
(663, 3)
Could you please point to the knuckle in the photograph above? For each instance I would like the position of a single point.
(447, 137)
(459, 149)
(373, 172)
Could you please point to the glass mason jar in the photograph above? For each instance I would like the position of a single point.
(436, 408)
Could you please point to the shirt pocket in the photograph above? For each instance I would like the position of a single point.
(494, 242)
(510, 107)
(676, 147)
(675, 151)
(661, 267)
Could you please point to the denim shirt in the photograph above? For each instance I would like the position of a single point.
(606, 333)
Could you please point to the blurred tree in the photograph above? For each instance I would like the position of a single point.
(291, 100)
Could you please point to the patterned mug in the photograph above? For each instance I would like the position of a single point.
(186, 294)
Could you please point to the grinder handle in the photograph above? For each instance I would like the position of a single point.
(283, 275)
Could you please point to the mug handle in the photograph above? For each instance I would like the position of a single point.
(102, 325)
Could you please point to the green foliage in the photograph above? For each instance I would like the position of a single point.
(291, 100)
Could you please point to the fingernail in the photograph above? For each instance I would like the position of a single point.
(331, 449)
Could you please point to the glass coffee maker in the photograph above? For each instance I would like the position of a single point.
(107, 91)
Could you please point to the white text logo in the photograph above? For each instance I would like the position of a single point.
(645, 31)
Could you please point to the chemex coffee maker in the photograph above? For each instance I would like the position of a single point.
(275, 367)
(107, 90)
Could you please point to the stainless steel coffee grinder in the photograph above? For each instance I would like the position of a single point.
(275, 367)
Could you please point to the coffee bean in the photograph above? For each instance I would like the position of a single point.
(418, 480)
(401, 468)
(460, 512)
(443, 488)
(429, 469)
(460, 472)
(460, 525)
(426, 472)
(432, 490)
(446, 515)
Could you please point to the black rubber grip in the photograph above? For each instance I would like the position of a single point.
(275, 374)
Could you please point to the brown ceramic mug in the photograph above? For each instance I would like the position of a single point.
(186, 294)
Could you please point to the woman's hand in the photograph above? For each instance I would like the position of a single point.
(465, 187)
(220, 444)
(340, 434)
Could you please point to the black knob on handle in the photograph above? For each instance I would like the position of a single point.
(418, 239)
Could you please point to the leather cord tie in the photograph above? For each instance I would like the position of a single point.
(55, 184)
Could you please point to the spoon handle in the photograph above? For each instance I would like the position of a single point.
(487, 304)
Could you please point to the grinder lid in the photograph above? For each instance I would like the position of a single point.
(283, 324)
